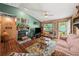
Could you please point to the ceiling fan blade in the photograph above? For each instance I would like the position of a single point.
(50, 15)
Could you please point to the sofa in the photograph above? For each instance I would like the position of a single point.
(69, 46)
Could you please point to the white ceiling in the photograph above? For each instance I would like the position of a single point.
(54, 10)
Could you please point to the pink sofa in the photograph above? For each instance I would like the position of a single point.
(70, 46)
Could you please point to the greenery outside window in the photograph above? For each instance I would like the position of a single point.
(48, 27)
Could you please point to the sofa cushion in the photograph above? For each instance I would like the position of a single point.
(62, 43)
(71, 38)
(73, 43)
(63, 50)
(75, 47)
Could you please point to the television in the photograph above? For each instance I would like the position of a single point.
(37, 32)
(34, 32)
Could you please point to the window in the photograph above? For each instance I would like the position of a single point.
(48, 27)
(64, 28)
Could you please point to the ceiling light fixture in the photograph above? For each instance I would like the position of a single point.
(26, 9)
(46, 14)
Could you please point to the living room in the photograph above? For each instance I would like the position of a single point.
(36, 29)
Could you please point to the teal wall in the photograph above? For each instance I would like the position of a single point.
(33, 23)
(12, 10)
(19, 14)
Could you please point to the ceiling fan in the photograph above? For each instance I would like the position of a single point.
(46, 14)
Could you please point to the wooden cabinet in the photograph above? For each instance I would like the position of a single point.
(8, 25)
(0, 28)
